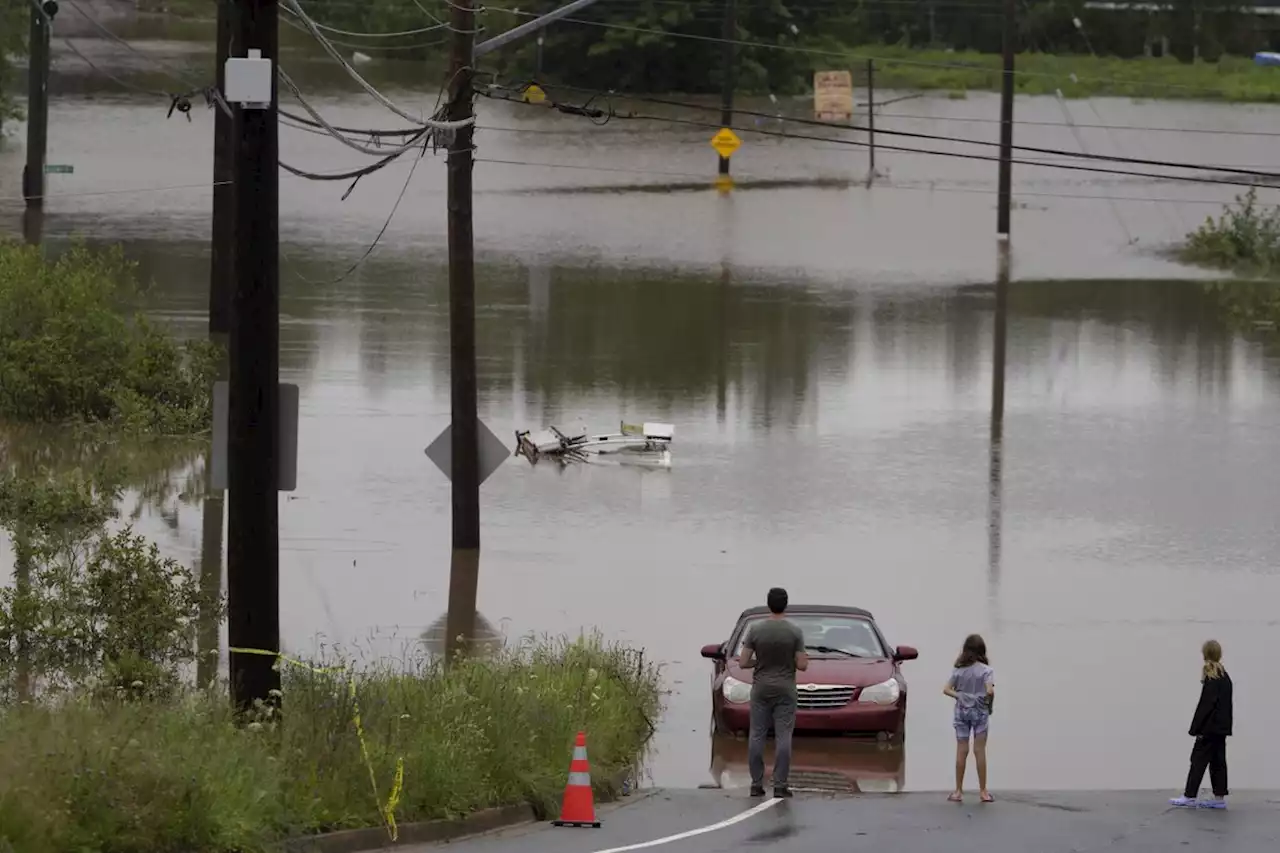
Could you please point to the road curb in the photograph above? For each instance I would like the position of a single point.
(426, 832)
(375, 838)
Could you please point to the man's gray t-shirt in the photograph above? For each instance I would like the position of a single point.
(775, 643)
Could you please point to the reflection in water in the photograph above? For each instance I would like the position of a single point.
(831, 765)
(995, 488)
(33, 225)
(487, 639)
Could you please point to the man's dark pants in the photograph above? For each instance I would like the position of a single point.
(778, 709)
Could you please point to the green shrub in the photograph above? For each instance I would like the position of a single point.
(70, 350)
(90, 609)
(1245, 237)
(179, 775)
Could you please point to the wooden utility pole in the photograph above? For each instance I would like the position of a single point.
(730, 71)
(464, 565)
(222, 248)
(37, 103)
(221, 284)
(1005, 189)
(253, 479)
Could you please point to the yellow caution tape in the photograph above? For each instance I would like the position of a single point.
(388, 810)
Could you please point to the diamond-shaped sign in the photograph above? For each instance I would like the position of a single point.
(492, 451)
(725, 142)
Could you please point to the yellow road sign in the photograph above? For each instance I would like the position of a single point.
(726, 142)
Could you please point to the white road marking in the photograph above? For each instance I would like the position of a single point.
(739, 818)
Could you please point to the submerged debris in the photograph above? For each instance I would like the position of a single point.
(648, 443)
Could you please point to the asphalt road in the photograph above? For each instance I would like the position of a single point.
(1119, 822)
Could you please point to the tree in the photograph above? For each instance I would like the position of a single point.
(13, 45)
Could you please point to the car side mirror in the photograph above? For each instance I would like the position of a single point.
(905, 653)
(714, 652)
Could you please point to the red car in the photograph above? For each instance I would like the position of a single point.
(854, 683)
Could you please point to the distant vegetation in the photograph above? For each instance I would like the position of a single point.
(73, 350)
(668, 46)
(1246, 237)
(13, 46)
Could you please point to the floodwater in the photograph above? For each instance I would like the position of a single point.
(825, 353)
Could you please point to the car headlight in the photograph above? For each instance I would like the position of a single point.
(736, 691)
(884, 693)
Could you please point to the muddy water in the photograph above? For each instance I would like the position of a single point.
(825, 355)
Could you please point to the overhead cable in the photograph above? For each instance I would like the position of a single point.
(333, 52)
(1058, 152)
(952, 154)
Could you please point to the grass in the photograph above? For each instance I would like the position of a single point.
(134, 776)
(1230, 79)
(1245, 238)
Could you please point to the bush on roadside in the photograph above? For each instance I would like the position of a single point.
(71, 349)
(1245, 237)
(144, 776)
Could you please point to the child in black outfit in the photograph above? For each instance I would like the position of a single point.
(1210, 726)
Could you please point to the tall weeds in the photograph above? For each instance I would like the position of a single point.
(1246, 237)
(141, 776)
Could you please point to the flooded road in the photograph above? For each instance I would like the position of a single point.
(825, 356)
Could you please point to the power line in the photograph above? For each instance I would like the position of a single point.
(388, 35)
(922, 136)
(364, 84)
(1124, 127)
(102, 28)
(746, 182)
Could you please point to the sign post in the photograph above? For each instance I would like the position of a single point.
(725, 142)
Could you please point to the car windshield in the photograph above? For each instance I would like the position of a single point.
(845, 635)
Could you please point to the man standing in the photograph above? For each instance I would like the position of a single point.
(774, 648)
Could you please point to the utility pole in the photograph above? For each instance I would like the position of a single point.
(464, 565)
(730, 71)
(222, 268)
(871, 119)
(1005, 189)
(37, 103)
(253, 538)
(221, 283)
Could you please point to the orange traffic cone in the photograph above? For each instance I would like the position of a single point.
(579, 808)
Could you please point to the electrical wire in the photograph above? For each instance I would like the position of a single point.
(129, 191)
(364, 84)
(437, 111)
(355, 146)
(1058, 152)
(102, 28)
(745, 182)
(370, 132)
(401, 34)
(1124, 127)
(361, 45)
